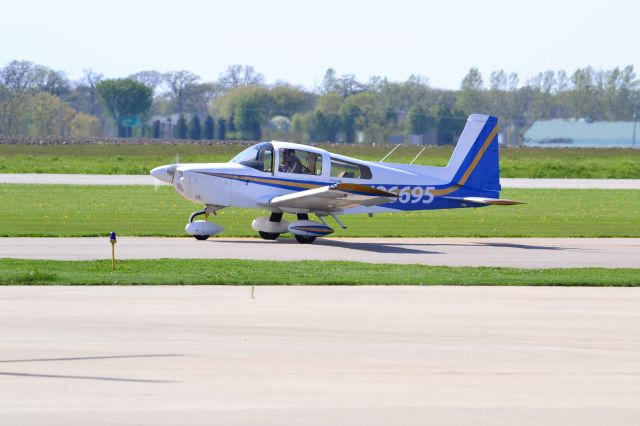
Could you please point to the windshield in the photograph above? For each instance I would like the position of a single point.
(259, 157)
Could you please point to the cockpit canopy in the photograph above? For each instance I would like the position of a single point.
(296, 159)
(259, 157)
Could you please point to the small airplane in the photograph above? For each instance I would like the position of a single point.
(283, 177)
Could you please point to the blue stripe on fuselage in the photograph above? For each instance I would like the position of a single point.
(437, 203)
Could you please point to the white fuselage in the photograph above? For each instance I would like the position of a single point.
(285, 177)
(234, 184)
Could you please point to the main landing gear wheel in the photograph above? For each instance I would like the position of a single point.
(301, 238)
(304, 240)
(275, 217)
(268, 235)
(201, 237)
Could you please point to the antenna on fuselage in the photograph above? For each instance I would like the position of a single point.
(416, 157)
(390, 152)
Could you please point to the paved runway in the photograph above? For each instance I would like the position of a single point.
(78, 179)
(319, 356)
(511, 252)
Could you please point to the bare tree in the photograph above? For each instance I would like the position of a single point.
(150, 78)
(180, 87)
(498, 81)
(88, 84)
(50, 81)
(329, 82)
(240, 75)
(514, 80)
(17, 80)
(348, 85)
(17, 76)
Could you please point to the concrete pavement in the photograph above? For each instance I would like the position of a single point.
(511, 252)
(319, 356)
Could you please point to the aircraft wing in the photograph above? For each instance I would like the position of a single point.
(333, 198)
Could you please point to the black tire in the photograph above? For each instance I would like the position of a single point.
(269, 235)
(304, 240)
(201, 237)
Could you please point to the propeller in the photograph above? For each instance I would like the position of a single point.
(156, 183)
(165, 173)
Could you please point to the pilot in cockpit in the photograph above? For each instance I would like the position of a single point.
(290, 162)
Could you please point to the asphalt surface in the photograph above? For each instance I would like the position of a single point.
(510, 252)
(319, 356)
(78, 179)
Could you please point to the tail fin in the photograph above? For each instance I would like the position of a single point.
(474, 163)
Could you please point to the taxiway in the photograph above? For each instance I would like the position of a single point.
(319, 356)
(509, 252)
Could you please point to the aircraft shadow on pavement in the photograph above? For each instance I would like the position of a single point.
(522, 246)
(395, 248)
(83, 377)
(399, 247)
(65, 376)
(87, 358)
(375, 247)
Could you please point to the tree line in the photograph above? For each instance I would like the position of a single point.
(38, 101)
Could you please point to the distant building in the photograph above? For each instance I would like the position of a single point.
(582, 134)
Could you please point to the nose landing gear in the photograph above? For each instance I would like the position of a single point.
(201, 229)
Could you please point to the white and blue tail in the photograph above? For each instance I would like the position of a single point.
(474, 167)
(474, 164)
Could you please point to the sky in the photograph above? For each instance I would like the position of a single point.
(297, 40)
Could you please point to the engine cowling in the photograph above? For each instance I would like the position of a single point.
(202, 227)
(309, 228)
(263, 224)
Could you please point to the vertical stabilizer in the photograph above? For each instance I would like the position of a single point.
(474, 163)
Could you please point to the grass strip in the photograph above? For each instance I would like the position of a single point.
(77, 211)
(249, 272)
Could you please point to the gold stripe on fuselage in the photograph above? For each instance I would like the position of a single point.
(271, 181)
(436, 192)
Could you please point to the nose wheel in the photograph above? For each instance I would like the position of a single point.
(206, 216)
(202, 229)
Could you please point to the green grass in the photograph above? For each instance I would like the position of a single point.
(68, 210)
(238, 272)
(139, 159)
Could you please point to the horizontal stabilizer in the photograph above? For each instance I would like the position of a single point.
(487, 201)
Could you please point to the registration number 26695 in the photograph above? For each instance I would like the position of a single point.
(411, 194)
